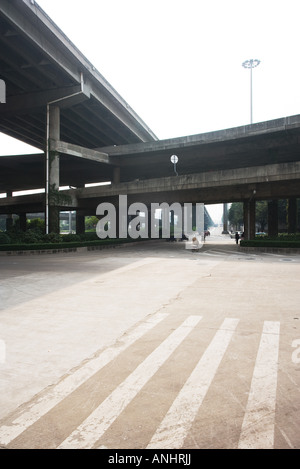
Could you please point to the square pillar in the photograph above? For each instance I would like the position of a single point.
(292, 215)
(249, 219)
(80, 223)
(150, 222)
(53, 172)
(9, 218)
(273, 218)
(225, 219)
(22, 221)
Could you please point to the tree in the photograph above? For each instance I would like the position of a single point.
(91, 223)
(236, 214)
(261, 214)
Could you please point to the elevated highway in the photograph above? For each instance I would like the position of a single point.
(256, 162)
(40, 65)
(58, 102)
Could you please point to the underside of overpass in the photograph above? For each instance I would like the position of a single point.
(87, 134)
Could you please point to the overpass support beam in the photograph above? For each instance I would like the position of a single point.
(249, 219)
(292, 215)
(52, 182)
(273, 218)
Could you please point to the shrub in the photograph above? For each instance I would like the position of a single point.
(36, 224)
(16, 236)
(271, 243)
(52, 238)
(69, 238)
(31, 236)
(4, 238)
(91, 236)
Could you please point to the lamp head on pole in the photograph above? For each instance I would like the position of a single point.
(252, 63)
(174, 160)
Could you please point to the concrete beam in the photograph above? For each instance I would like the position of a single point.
(269, 182)
(81, 152)
(15, 14)
(31, 21)
(30, 102)
(234, 134)
(214, 179)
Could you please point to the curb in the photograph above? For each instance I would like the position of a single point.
(65, 250)
(270, 250)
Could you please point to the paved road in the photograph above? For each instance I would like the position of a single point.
(150, 346)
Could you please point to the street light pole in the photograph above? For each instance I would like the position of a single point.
(174, 160)
(252, 63)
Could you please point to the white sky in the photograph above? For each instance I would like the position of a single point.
(179, 64)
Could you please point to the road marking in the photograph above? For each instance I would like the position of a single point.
(47, 401)
(259, 420)
(87, 434)
(178, 420)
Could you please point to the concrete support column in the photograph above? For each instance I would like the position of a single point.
(54, 133)
(249, 219)
(172, 223)
(80, 223)
(9, 217)
(273, 218)
(149, 215)
(225, 219)
(22, 221)
(117, 222)
(292, 215)
(193, 216)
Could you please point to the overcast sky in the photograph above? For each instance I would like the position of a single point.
(179, 64)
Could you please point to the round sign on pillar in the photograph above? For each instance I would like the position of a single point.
(174, 160)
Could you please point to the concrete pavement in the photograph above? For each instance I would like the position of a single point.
(132, 337)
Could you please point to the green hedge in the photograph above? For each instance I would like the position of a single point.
(64, 245)
(271, 243)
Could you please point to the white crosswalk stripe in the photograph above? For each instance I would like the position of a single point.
(258, 424)
(73, 381)
(174, 428)
(176, 421)
(90, 431)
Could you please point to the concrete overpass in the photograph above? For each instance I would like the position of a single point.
(87, 133)
(40, 65)
(255, 162)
